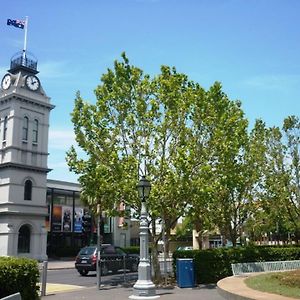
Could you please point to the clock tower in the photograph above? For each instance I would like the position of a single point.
(24, 126)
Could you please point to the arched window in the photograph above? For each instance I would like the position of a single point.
(28, 190)
(5, 128)
(24, 239)
(35, 131)
(25, 129)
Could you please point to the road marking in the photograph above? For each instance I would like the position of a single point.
(57, 287)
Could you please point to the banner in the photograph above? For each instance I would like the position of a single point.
(56, 218)
(67, 218)
(78, 219)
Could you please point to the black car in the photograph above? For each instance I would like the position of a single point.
(112, 259)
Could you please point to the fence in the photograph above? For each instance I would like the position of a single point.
(265, 266)
(165, 264)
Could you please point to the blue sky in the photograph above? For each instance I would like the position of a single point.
(251, 46)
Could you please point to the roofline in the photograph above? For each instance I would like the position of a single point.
(64, 185)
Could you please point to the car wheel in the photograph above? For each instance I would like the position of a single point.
(83, 272)
(104, 269)
(134, 267)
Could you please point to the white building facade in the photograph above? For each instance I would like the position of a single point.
(37, 214)
(24, 126)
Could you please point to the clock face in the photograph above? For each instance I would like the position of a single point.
(6, 82)
(32, 82)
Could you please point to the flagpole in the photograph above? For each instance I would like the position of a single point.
(25, 40)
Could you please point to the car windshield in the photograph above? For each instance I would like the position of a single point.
(87, 251)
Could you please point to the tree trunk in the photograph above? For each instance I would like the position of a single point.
(198, 234)
(200, 239)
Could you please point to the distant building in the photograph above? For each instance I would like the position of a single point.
(64, 220)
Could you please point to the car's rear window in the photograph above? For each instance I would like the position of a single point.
(87, 251)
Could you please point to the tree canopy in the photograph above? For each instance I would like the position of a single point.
(194, 145)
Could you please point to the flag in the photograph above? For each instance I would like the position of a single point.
(16, 23)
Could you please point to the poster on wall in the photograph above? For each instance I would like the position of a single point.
(78, 219)
(56, 218)
(67, 218)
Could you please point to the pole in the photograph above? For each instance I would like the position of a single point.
(124, 267)
(98, 267)
(25, 39)
(144, 287)
(165, 250)
(44, 278)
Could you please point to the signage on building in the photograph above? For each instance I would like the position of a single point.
(78, 219)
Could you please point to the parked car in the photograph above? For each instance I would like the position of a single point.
(112, 259)
(184, 248)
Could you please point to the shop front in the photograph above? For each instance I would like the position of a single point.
(65, 223)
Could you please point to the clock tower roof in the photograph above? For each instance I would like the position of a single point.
(21, 80)
(25, 62)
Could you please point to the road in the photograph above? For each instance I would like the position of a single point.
(71, 276)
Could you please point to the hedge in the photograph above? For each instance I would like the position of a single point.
(19, 275)
(132, 250)
(214, 264)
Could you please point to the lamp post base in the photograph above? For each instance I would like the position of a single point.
(144, 289)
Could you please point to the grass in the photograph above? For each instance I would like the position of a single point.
(282, 283)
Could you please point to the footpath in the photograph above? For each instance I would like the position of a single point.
(121, 291)
(227, 288)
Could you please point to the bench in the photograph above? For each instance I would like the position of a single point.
(264, 266)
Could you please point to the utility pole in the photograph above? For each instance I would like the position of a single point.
(98, 267)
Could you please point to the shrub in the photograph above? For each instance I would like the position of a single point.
(214, 264)
(132, 250)
(19, 275)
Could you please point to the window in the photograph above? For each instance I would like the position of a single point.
(109, 250)
(25, 129)
(5, 128)
(120, 251)
(24, 239)
(35, 131)
(28, 190)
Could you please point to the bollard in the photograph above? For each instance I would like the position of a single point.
(44, 278)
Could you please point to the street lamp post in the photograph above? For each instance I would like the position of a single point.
(144, 287)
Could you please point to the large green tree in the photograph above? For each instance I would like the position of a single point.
(276, 208)
(281, 185)
(137, 127)
(231, 179)
(192, 144)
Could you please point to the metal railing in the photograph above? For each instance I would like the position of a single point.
(166, 264)
(264, 266)
(26, 60)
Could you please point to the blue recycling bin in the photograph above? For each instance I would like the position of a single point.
(185, 272)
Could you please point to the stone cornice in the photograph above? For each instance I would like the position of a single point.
(23, 149)
(24, 167)
(14, 95)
